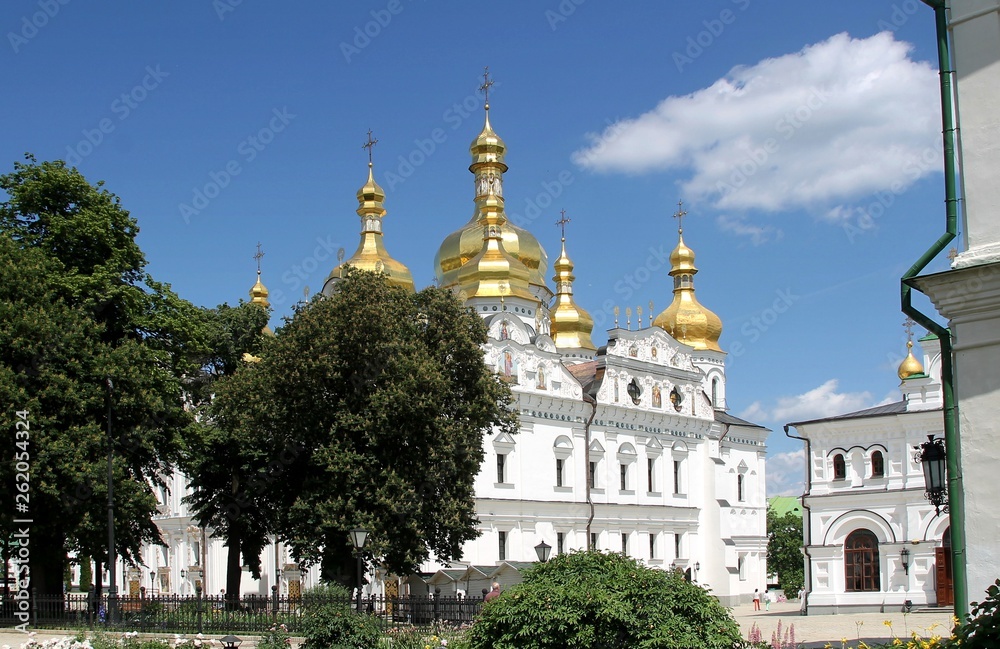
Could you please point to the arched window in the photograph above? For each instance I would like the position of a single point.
(839, 467)
(861, 566)
(739, 487)
(878, 465)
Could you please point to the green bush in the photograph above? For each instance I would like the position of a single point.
(981, 629)
(329, 622)
(591, 600)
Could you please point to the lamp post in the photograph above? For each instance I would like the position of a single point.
(697, 569)
(542, 550)
(112, 559)
(933, 457)
(904, 558)
(358, 537)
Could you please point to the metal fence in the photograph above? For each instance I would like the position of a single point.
(219, 615)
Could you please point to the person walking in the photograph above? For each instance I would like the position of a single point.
(756, 599)
(767, 600)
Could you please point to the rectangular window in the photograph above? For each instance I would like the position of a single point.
(650, 470)
(623, 471)
(677, 546)
(560, 543)
(501, 467)
(593, 540)
(502, 545)
(593, 475)
(739, 487)
(741, 565)
(652, 545)
(624, 543)
(559, 472)
(677, 476)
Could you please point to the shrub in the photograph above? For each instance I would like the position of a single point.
(329, 622)
(277, 637)
(588, 600)
(982, 627)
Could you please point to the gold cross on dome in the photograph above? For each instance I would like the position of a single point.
(908, 326)
(487, 84)
(679, 215)
(370, 144)
(258, 256)
(952, 254)
(562, 223)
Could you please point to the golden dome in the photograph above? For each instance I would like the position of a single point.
(371, 254)
(686, 319)
(460, 246)
(259, 293)
(910, 365)
(571, 325)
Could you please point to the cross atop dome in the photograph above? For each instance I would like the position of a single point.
(908, 326)
(679, 215)
(370, 144)
(562, 223)
(258, 256)
(486, 85)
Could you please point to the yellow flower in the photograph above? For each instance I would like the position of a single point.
(888, 623)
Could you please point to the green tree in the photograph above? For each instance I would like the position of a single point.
(224, 450)
(784, 550)
(78, 309)
(593, 599)
(373, 404)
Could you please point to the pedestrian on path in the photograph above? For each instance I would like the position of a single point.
(767, 600)
(756, 599)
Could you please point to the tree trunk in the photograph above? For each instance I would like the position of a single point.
(234, 570)
(48, 564)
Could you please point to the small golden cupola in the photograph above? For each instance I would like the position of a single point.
(459, 247)
(371, 254)
(910, 366)
(571, 325)
(259, 292)
(686, 319)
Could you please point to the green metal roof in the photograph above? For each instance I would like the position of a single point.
(782, 505)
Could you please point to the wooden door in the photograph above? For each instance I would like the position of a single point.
(945, 588)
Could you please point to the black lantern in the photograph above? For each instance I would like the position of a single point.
(904, 558)
(230, 642)
(358, 537)
(932, 457)
(542, 550)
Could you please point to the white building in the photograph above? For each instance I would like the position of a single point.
(627, 448)
(872, 541)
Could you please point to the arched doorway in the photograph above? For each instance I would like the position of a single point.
(942, 571)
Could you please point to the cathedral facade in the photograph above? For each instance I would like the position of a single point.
(623, 448)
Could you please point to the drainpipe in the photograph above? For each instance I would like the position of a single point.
(586, 459)
(806, 524)
(956, 490)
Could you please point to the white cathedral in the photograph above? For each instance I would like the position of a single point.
(624, 448)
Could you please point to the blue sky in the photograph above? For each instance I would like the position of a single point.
(802, 137)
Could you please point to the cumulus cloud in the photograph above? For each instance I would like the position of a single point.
(741, 227)
(823, 401)
(786, 473)
(837, 121)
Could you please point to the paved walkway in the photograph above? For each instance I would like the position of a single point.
(817, 630)
(810, 631)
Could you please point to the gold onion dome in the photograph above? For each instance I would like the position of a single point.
(571, 325)
(259, 293)
(371, 254)
(686, 319)
(910, 365)
(488, 151)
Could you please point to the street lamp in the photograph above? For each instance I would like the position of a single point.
(358, 537)
(904, 558)
(933, 458)
(542, 550)
(112, 559)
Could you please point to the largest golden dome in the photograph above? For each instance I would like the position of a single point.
(488, 151)
(686, 319)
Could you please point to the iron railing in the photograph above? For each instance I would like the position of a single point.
(224, 615)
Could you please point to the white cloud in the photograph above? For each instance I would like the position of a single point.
(823, 401)
(834, 122)
(738, 225)
(786, 473)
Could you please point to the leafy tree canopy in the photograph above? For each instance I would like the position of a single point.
(784, 550)
(374, 403)
(585, 600)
